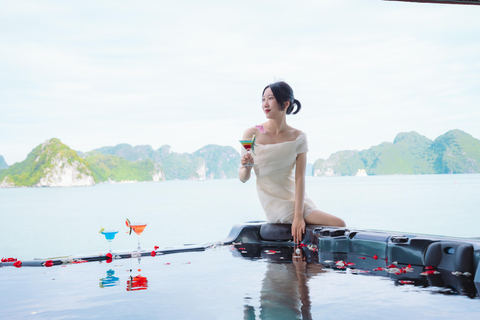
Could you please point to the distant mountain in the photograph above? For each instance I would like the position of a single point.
(457, 152)
(114, 168)
(410, 153)
(127, 152)
(220, 162)
(209, 162)
(49, 164)
(55, 164)
(3, 164)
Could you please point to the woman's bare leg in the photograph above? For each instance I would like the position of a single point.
(325, 219)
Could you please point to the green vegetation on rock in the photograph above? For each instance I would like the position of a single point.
(457, 152)
(209, 162)
(29, 172)
(110, 167)
(120, 163)
(410, 153)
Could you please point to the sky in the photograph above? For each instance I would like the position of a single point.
(191, 73)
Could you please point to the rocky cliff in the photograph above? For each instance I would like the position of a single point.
(209, 162)
(116, 169)
(410, 153)
(51, 164)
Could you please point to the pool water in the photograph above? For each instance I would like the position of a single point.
(221, 282)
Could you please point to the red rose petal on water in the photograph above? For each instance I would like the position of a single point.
(17, 264)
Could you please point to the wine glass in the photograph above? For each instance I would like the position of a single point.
(109, 235)
(138, 229)
(249, 145)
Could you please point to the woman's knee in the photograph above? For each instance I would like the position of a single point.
(323, 218)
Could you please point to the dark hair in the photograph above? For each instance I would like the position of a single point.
(283, 93)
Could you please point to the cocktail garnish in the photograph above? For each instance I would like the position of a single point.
(127, 222)
(253, 144)
(101, 229)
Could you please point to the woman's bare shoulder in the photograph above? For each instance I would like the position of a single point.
(294, 133)
(249, 132)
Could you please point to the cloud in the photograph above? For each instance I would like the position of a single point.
(140, 72)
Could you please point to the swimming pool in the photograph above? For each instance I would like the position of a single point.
(219, 283)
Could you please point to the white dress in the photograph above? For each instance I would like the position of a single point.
(275, 171)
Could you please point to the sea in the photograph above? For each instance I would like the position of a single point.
(214, 284)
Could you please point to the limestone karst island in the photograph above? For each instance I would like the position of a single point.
(54, 164)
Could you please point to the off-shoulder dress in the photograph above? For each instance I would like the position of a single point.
(275, 172)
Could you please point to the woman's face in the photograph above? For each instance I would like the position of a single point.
(269, 104)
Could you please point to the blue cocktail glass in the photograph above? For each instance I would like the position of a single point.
(109, 235)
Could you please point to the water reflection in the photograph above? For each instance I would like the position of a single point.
(137, 283)
(134, 283)
(285, 292)
(403, 274)
(110, 280)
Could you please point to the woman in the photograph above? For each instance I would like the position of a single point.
(280, 161)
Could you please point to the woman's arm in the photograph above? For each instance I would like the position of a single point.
(298, 225)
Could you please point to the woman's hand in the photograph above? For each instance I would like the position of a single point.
(246, 158)
(298, 229)
(244, 173)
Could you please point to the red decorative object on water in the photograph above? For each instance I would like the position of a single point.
(9, 259)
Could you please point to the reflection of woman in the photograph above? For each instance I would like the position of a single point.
(280, 161)
(285, 293)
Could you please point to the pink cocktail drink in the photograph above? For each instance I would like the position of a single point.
(138, 228)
